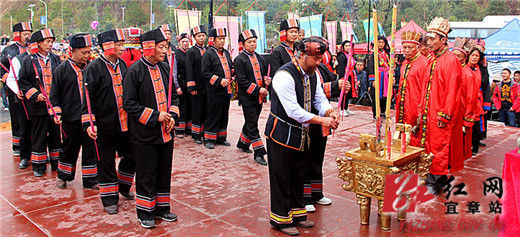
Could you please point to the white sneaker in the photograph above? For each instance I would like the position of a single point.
(344, 113)
(310, 208)
(350, 112)
(324, 201)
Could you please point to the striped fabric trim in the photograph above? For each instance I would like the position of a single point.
(220, 32)
(210, 136)
(109, 48)
(144, 203)
(191, 84)
(307, 191)
(257, 144)
(316, 185)
(222, 133)
(291, 23)
(85, 118)
(487, 105)
(299, 212)
(327, 90)
(89, 170)
(175, 109)
(47, 33)
(145, 116)
(244, 139)
(65, 168)
(282, 219)
(251, 88)
(88, 40)
(118, 93)
(125, 178)
(188, 124)
(120, 34)
(163, 199)
(57, 109)
(54, 154)
(108, 189)
(39, 157)
(16, 141)
(30, 93)
(196, 129)
(26, 26)
(213, 79)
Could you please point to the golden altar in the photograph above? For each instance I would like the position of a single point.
(365, 173)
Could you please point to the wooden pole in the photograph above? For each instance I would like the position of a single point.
(390, 85)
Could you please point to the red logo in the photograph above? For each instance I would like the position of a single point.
(403, 193)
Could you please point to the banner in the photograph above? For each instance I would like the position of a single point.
(256, 20)
(380, 29)
(231, 23)
(331, 27)
(347, 29)
(311, 25)
(186, 19)
(291, 15)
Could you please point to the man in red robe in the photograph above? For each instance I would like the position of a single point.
(414, 74)
(441, 108)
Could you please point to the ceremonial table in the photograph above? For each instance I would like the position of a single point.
(365, 173)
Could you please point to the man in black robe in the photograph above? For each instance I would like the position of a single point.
(251, 76)
(196, 86)
(184, 127)
(66, 98)
(19, 121)
(285, 52)
(217, 69)
(103, 83)
(152, 106)
(36, 86)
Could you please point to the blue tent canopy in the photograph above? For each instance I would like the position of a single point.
(505, 43)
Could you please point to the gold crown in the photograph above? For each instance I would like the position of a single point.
(411, 36)
(440, 26)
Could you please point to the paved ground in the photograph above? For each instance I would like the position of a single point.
(223, 192)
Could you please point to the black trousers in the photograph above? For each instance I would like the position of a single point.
(486, 117)
(14, 112)
(313, 186)
(111, 182)
(346, 100)
(476, 136)
(44, 133)
(75, 139)
(25, 130)
(152, 179)
(198, 115)
(217, 116)
(250, 134)
(184, 126)
(286, 177)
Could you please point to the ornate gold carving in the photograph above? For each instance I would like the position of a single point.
(345, 172)
(403, 127)
(370, 180)
(367, 141)
(364, 208)
(424, 164)
(407, 167)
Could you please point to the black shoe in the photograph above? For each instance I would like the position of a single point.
(38, 173)
(260, 160)
(244, 149)
(147, 224)
(129, 195)
(60, 183)
(16, 153)
(23, 164)
(209, 145)
(167, 216)
(482, 144)
(198, 141)
(224, 143)
(112, 209)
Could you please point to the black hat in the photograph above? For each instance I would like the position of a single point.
(150, 38)
(165, 27)
(22, 26)
(108, 38)
(217, 32)
(42, 34)
(182, 36)
(198, 29)
(81, 40)
(313, 46)
(245, 35)
(287, 24)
